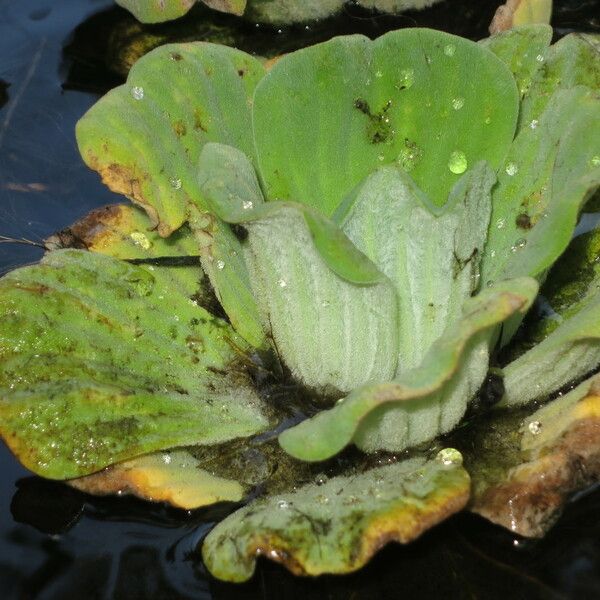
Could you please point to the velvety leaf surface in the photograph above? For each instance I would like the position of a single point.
(302, 271)
(172, 477)
(145, 137)
(325, 117)
(103, 361)
(331, 430)
(430, 255)
(525, 469)
(523, 49)
(574, 60)
(337, 526)
(316, 318)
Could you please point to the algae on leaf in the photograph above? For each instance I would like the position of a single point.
(336, 526)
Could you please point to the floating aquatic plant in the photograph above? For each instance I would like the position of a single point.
(333, 254)
(268, 11)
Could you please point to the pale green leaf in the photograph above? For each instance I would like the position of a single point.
(145, 136)
(330, 431)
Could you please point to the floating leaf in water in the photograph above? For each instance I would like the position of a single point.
(524, 469)
(335, 527)
(173, 477)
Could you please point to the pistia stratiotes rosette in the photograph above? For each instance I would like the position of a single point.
(350, 237)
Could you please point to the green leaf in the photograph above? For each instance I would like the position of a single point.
(325, 117)
(145, 137)
(565, 344)
(523, 49)
(336, 527)
(433, 256)
(317, 319)
(330, 431)
(156, 11)
(548, 174)
(572, 61)
(172, 477)
(104, 361)
(229, 185)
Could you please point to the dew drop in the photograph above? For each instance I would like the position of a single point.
(449, 457)
(535, 427)
(407, 78)
(140, 239)
(321, 478)
(488, 120)
(322, 499)
(283, 504)
(457, 162)
(533, 124)
(511, 169)
(220, 265)
(449, 49)
(409, 156)
(540, 58)
(247, 204)
(520, 243)
(595, 160)
(379, 74)
(458, 103)
(175, 183)
(166, 459)
(381, 158)
(137, 92)
(282, 283)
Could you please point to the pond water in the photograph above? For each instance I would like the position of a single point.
(57, 543)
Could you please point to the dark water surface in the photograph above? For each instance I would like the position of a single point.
(56, 543)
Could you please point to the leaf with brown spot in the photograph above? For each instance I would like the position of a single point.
(523, 480)
(336, 527)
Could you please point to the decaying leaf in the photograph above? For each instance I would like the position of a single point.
(336, 526)
(524, 469)
(172, 477)
(520, 12)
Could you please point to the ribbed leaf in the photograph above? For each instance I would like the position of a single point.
(145, 137)
(548, 174)
(317, 319)
(329, 431)
(102, 361)
(430, 255)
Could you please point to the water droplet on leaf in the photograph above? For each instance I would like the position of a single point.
(449, 49)
(247, 204)
(137, 92)
(458, 103)
(511, 169)
(457, 162)
(175, 183)
(449, 457)
(140, 239)
(535, 427)
(520, 243)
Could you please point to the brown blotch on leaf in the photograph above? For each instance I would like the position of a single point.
(523, 221)
(179, 128)
(530, 499)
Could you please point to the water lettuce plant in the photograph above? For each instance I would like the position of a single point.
(323, 264)
(267, 11)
